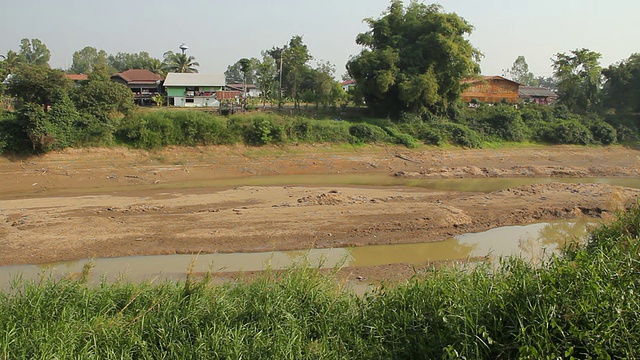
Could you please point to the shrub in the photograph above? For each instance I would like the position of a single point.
(461, 135)
(503, 121)
(401, 138)
(569, 132)
(264, 131)
(367, 133)
(603, 133)
(13, 138)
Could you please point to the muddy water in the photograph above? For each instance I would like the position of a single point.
(532, 242)
(466, 184)
(463, 184)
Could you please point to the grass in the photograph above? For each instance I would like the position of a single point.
(583, 304)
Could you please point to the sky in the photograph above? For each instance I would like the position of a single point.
(219, 33)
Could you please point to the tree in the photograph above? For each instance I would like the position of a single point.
(519, 72)
(124, 61)
(547, 82)
(296, 56)
(579, 76)
(414, 60)
(34, 52)
(157, 67)
(322, 84)
(85, 60)
(622, 86)
(236, 75)
(103, 99)
(266, 72)
(180, 63)
(37, 84)
(10, 62)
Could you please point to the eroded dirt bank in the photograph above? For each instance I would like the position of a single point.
(117, 202)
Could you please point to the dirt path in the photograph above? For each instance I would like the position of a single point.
(118, 202)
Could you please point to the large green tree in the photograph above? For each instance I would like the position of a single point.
(266, 73)
(579, 76)
(519, 72)
(37, 84)
(87, 59)
(622, 86)
(242, 70)
(295, 55)
(34, 52)
(104, 100)
(9, 62)
(124, 61)
(180, 63)
(414, 59)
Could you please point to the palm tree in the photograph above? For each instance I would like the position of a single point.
(180, 63)
(11, 60)
(157, 67)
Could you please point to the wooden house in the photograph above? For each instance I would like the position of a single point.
(490, 89)
(144, 84)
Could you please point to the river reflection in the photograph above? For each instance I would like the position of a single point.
(532, 242)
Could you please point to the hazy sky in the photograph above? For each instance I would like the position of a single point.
(219, 33)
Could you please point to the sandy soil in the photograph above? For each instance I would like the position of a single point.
(117, 202)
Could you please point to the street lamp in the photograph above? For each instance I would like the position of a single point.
(183, 47)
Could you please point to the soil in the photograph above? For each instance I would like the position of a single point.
(94, 203)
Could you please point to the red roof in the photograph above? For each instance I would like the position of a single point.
(138, 76)
(77, 77)
(348, 82)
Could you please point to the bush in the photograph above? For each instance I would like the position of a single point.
(603, 133)
(367, 133)
(569, 132)
(401, 138)
(13, 138)
(461, 135)
(161, 128)
(502, 121)
(264, 131)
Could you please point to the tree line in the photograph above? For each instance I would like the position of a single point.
(411, 68)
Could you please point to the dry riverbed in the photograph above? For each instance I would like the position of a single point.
(92, 203)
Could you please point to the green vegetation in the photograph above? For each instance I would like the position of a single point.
(85, 120)
(414, 59)
(409, 74)
(583, 304)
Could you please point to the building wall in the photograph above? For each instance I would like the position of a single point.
(491, 91)
(182, 101)
(175, 91)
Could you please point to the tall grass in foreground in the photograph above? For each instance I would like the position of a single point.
(582, 305)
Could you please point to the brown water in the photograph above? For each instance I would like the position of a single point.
(532, 242)
(464, 184)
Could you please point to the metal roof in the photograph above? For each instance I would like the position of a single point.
(194, 79)
(535, 91)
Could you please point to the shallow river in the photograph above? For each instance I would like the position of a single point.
(532, 242)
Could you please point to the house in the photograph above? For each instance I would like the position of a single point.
(144, 84)
(490, 89)
(537, 95)
(78, 79)
(193, 89)
(348, 84)
(251, 89)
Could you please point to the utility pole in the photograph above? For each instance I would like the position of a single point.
(280, 83)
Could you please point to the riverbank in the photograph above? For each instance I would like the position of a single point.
(93, 203)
